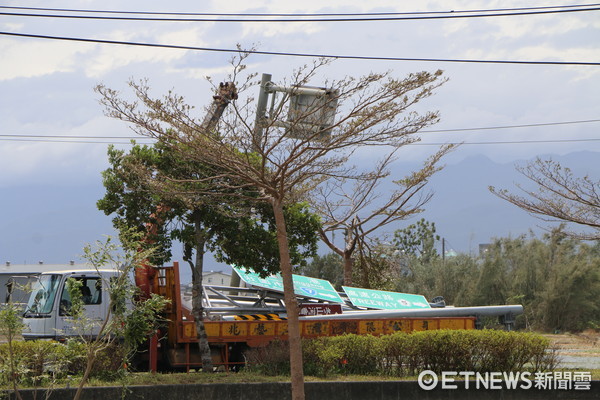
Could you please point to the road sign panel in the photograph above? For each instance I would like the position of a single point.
(383, 300)
(319, 309)
(303, 285)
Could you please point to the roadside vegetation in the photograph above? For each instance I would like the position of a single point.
(555, 277)
(403, 355)
(46, 365)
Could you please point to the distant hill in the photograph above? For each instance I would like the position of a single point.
(52, 223)
(467, 214)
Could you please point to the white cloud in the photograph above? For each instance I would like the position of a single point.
(11, 26)
(28, 58)
(199, 73)
(548, 52)
(271, 30)
(59, 162)
(111, 57)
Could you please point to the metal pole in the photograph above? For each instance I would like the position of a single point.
(444, 251)
(261, 109)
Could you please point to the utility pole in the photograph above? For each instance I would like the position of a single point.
(444, 251)
(261, 109)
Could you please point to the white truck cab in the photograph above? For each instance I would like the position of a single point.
(46, 315)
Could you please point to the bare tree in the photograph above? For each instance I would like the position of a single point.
(358, 212)
(558, 195)
(284, 162)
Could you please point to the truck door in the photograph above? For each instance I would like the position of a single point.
(94, 304)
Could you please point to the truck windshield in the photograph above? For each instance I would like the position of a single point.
(43, 294)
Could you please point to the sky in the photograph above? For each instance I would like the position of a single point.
(53, 131)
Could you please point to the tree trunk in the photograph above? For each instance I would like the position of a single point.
(351, 241)
(291, 305)
(348, 264)
(13, 367)
(91, 358)
(346, 254)
(197, 293)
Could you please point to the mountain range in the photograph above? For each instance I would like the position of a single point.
(52, 223)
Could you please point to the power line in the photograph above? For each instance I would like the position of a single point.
(288, 54)
(53, 140)
(82, 139)
(510, 126)
(509, 142)
(423, 131)
(297, 14)
(74, 137)
(451, 15)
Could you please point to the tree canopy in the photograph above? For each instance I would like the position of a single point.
(280, 160)
(238, 232)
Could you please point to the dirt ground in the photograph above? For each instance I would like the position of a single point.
(578, 350)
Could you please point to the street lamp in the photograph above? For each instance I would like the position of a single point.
(311, 110)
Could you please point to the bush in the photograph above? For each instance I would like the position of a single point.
(108, 364)
(42, 361)
(38, 361)
(271, 360)
(402, 354)
(360, 353)
(320, 358)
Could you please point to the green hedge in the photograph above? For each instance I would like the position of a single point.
(39, 361)
(403, 354)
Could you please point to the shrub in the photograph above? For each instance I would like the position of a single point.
(359, 352)
(442, 350)
(41, 361)
(38, 361)
(402, 354)
(271, 360)
(320, 357)
(108, 364)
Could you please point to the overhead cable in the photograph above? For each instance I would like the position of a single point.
(304, 19)
(510, 126)
(88, 11)
(421, 131)
(509, 142)
(309, 55)
(409, 144)
(85, 139)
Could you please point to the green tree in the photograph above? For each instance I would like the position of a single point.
(568, 299)
(418, 241)
(492, 283)
(376, 266)
(133, 323)
(11, 326)
(239, 232)
(556, 278)
(284, 161)
(454, 279)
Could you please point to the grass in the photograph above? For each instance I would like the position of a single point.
(564, 342)
(147, 378)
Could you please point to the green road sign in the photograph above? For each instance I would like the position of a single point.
(303, 286)
(384, 300)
